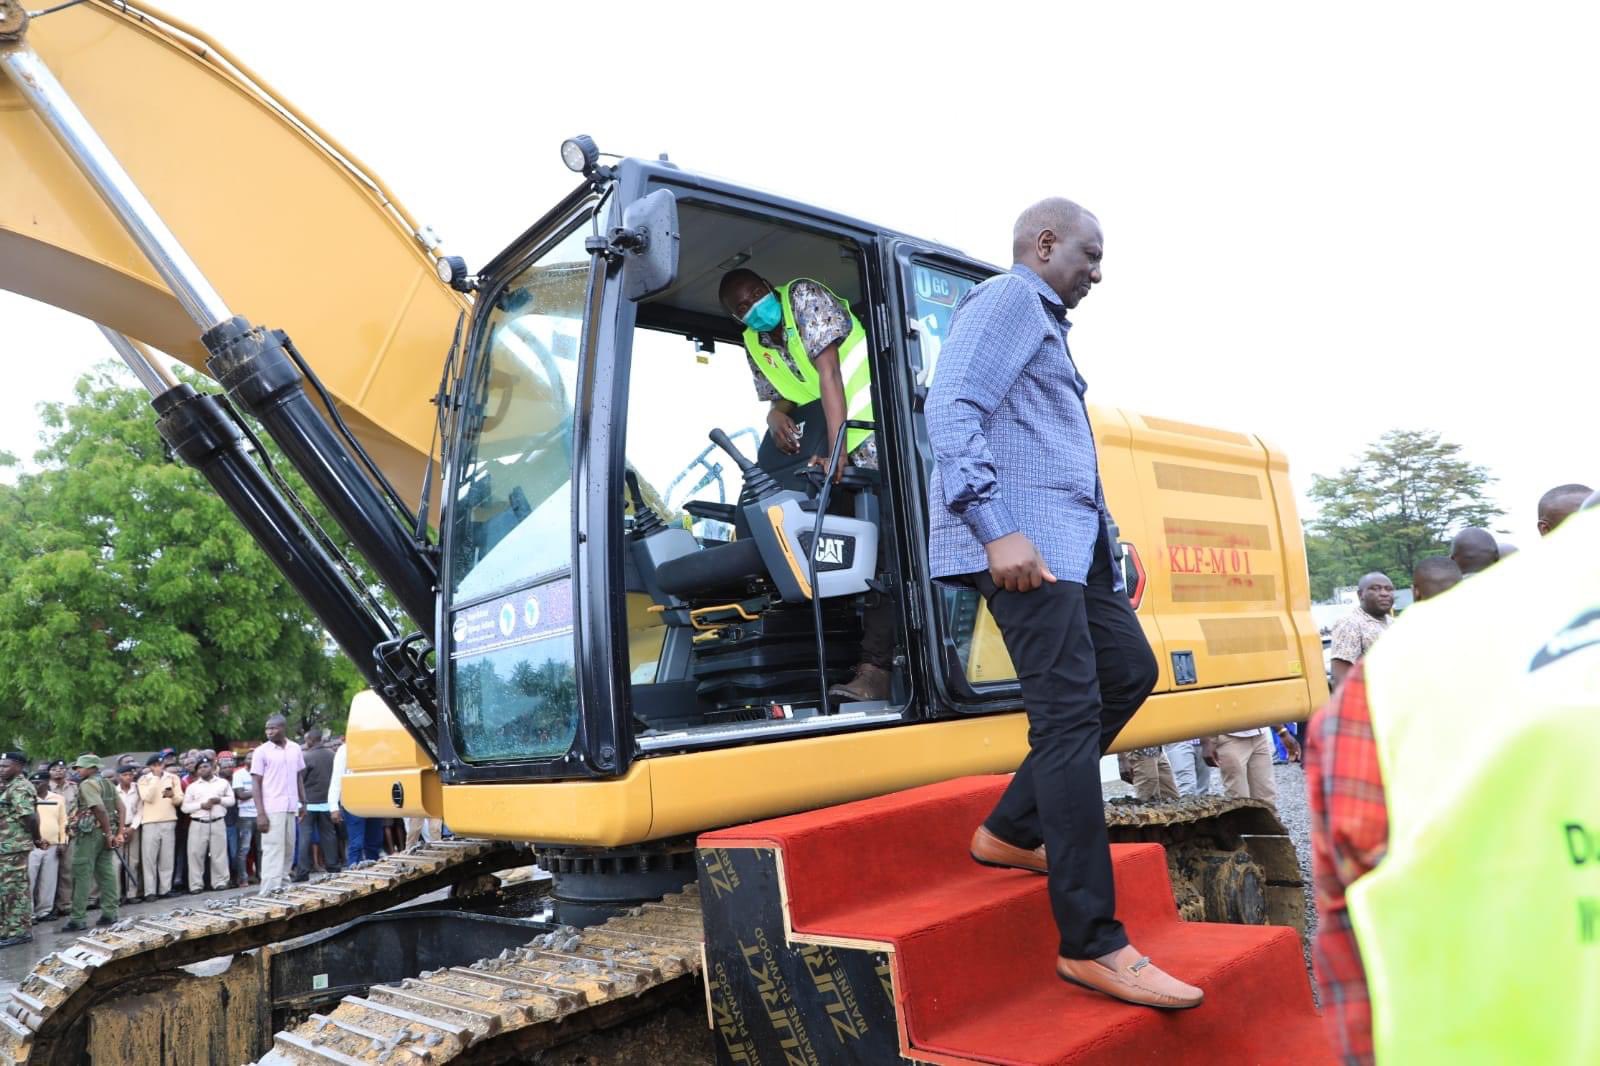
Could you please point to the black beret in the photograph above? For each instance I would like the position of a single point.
(154, 760)
(14, 756)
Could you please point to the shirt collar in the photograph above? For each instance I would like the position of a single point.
(1052, 302)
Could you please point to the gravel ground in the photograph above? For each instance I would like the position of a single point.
(1295, 815)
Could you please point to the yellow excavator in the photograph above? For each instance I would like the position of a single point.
(620, 606)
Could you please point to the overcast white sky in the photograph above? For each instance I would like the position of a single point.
(1322, 222)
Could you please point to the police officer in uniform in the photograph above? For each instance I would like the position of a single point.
(95, 834)
(19, 835)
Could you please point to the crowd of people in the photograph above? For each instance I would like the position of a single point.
(137, 828)
(1350, 800)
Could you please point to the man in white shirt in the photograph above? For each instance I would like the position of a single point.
(1245, 759)
(364, 835)
(205, 802)
(132, 818)
(244, 795)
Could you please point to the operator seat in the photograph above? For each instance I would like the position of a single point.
(721, 570)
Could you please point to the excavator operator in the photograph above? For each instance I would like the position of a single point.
(804, 345)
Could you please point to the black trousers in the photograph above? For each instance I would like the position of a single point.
(1085, 668)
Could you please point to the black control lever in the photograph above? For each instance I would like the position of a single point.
(758, 484)
(645, 519)
(816, 542)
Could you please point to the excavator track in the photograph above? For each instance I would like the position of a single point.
(1231, 860)
(40, 1019)
(556, 987)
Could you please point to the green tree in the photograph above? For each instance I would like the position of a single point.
(1397, 504)
(134, 610)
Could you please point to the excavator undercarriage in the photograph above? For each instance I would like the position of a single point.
(470, 980)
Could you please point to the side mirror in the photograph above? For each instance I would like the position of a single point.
(649, 242)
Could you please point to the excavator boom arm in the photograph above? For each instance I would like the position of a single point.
(287, 225)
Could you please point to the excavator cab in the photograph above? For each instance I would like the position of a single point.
(632, 565)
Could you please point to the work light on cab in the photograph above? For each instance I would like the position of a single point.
(579, 153)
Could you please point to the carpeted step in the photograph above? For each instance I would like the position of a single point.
(878, 849)
(972, 948)
(986, 991)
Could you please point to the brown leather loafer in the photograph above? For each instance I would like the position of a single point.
(990, 850)
(1135, 980)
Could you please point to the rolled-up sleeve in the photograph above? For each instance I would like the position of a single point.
(994, 333)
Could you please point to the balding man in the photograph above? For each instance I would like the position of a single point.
(1560, 502)
(1361, 628)
(1432, 576)
(1017, 512)
(1474, 549)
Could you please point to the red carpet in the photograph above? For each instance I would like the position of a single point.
(973, 947)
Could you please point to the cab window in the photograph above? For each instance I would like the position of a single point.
(512, 682)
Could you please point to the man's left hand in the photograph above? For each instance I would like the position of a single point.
(1291, 746)
(300, 815)
(822, 462)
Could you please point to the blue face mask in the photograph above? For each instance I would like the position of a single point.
(764, 314)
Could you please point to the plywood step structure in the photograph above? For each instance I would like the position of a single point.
(865, 933)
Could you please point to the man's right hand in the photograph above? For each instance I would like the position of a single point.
(1015, 564)
(785, 434)
(263, 823)
(338, 819)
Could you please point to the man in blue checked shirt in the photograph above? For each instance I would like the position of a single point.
(1017, 512)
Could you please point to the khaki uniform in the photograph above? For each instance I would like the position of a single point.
(158, 830)
(44, 865)
(1246, 765)
(66, 795)
(1152, 775)
(92, 860)
(16, 902)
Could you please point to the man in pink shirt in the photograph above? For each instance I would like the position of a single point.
(278, 771)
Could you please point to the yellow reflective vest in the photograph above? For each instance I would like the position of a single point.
(800, 384)
(1480, 928)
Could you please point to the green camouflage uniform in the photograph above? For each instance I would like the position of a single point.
(91, 851)
(16, 902)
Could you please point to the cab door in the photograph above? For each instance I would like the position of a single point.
(968, 656)
(962, 658)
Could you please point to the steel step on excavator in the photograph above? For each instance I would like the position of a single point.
(618, 619)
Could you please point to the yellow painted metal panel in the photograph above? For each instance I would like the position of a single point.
(673, 795)
(1296, 578)
(376, 739)
(371, 794)
(287, 227)
(599, 813)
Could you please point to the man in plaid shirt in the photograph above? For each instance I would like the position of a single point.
(1349, 833)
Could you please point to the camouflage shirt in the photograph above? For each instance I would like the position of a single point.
(821, 321)
(16, 803)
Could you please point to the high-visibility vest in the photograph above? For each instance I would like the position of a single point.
(1480, 928)
(804, 386)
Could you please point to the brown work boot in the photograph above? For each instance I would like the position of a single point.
(990, 850)
(870, 683)
(1132, 978)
